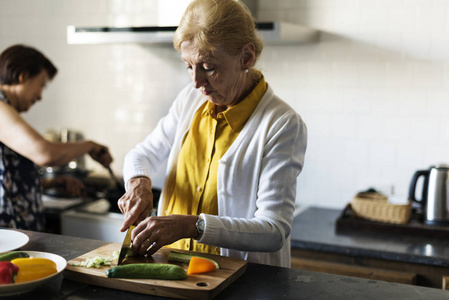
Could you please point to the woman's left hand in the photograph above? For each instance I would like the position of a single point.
(155, 232)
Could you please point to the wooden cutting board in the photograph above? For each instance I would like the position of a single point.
(200, 286)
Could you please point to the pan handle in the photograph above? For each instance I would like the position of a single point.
(116, 181)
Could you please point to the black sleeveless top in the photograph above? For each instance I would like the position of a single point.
(20, 189)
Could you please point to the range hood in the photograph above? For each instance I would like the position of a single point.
(272, 33)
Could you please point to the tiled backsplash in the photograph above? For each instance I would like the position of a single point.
(374, 91)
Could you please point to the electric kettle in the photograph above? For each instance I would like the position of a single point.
(435, 194)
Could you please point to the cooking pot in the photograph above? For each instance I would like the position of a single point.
(435, 194)
(65, 136)
(75, 168)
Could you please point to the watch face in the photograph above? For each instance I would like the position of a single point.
(200, 225)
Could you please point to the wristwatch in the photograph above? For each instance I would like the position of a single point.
(199, 227)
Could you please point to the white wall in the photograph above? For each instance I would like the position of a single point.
(373, 91)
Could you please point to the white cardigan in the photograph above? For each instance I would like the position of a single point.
(256, 183)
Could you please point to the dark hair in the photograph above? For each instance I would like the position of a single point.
(21, 59)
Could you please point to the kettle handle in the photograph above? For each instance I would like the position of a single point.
(412, 189)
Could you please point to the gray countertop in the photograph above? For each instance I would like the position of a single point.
(315, 229)
(258, 282)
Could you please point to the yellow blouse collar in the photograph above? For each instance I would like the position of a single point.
(237, 115)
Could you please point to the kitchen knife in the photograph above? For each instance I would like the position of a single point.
(125, 246)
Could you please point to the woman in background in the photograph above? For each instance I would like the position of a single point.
(24, 73)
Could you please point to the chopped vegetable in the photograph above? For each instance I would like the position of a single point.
(8, 272)
(200, 265)
(97, 261)
(115, 255)
(34, 268)
(175, 256)
(129, 253)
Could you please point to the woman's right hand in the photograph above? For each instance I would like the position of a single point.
(101, 154)
(137, 203)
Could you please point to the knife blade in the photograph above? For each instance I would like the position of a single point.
(125, 246)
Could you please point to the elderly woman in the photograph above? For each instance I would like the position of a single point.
(24, 73)
(234, 149)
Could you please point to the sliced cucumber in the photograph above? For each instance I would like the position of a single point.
(175, 256)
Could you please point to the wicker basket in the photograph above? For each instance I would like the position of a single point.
(375, 207)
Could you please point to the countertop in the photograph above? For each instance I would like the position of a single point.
(314, 229)
(258, 282)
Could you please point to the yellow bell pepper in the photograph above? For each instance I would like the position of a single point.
(34, 268)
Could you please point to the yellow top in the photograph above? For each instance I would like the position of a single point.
(209, 137)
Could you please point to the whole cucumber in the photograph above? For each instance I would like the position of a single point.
(147, 271)
(13, 255)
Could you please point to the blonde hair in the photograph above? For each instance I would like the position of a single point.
(218, 23)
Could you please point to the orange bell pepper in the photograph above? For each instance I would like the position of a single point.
(200, 265)
(34, 268)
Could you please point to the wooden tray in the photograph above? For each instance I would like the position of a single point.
(348, 223)
(201, 286)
